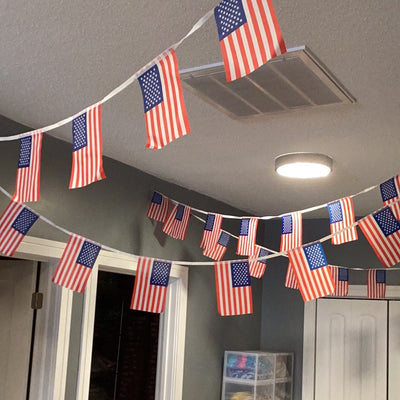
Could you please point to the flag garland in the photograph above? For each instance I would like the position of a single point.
(376, 284)
(247, 236)
(218, 251)
(27, 185)
(15, 222)
(164, 108)
(249, 35)
(158, 208)
(257, 267)
(177, 222)
(390, 191)
(341, 280)
(290, 279)
(211, 233)
(151, 283)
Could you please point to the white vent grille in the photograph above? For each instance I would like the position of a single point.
(295, 80)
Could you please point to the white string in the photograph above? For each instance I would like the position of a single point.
(114, 92)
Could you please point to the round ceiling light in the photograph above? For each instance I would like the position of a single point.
(303, 165)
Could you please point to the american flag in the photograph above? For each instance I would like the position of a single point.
(291, 231)
(15, 223)
(257, 267)
(177, 222)
(232, 281)
(212, 228)
(290, 279)
(87, 150)
(76, 263)
(390, 191)
(249, 35)
(164, 108)
(312, 272)
(376, 284)
(151, 283)
(341, 279)
(247, 236)
(218, 251)
(341, 215)
(158, 208)
(382, 231)
(28, 174)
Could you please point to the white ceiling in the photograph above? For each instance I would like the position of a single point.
(57, 57)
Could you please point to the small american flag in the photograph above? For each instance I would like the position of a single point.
(76, 263)
(382, 231)
(376, 284)
(28, 174)
(219, 249)
(247, 236)
(341, 215)
(390, 191)
(164, 108)
(232, 281)
(151, 283)
(158, 208)
(341, 279)
(212, 228)
(257, 267)
(177, 222)
(249, 35)
(87, 151)
(15, 223)
(291, 231)
(312, 272)
(290, 279)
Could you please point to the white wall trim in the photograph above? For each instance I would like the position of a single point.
(310, 313)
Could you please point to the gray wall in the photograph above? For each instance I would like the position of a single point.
(112, 212)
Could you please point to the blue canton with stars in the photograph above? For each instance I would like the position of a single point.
(209, 222)
(179, 212)
(157, 198)
(224, 239)
(343, 275)
(79, 132)
(315, 256)
(335, 212)
(388, 190)
(26, 218)
(88, 254)
(240, 274)
(244, 226)
(380, 276)
(287, 224)
(386, 221)
(150, 83)
(262, 253)
(229, 16)
(160, 273)
(25, 146)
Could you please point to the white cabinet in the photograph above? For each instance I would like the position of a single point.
(253, 375)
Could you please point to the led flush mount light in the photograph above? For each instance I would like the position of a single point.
(303, 165)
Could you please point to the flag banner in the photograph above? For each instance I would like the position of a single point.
(290, 279)
(158, 208)
(390, 191)
(27, 186)
(76, 263)
(376, 284)
(177, 222)
(382, 231)
(164, 108)
(291, 231)
(211, 233)
(233, 285)
(312, 272)
(151, 283)
(219, 249)
(247, 236)
(341, 215)
(341, 279)
(257, 267)
(15, 223)
(249, 35)
(87, 148)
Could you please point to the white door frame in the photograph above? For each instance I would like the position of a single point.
(172, 322)
(309, 333)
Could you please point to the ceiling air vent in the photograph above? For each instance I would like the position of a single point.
(293, 81)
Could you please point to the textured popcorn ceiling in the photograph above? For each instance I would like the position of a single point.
(59, 56)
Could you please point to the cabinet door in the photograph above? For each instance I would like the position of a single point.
(394, 350)
(351, 350)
